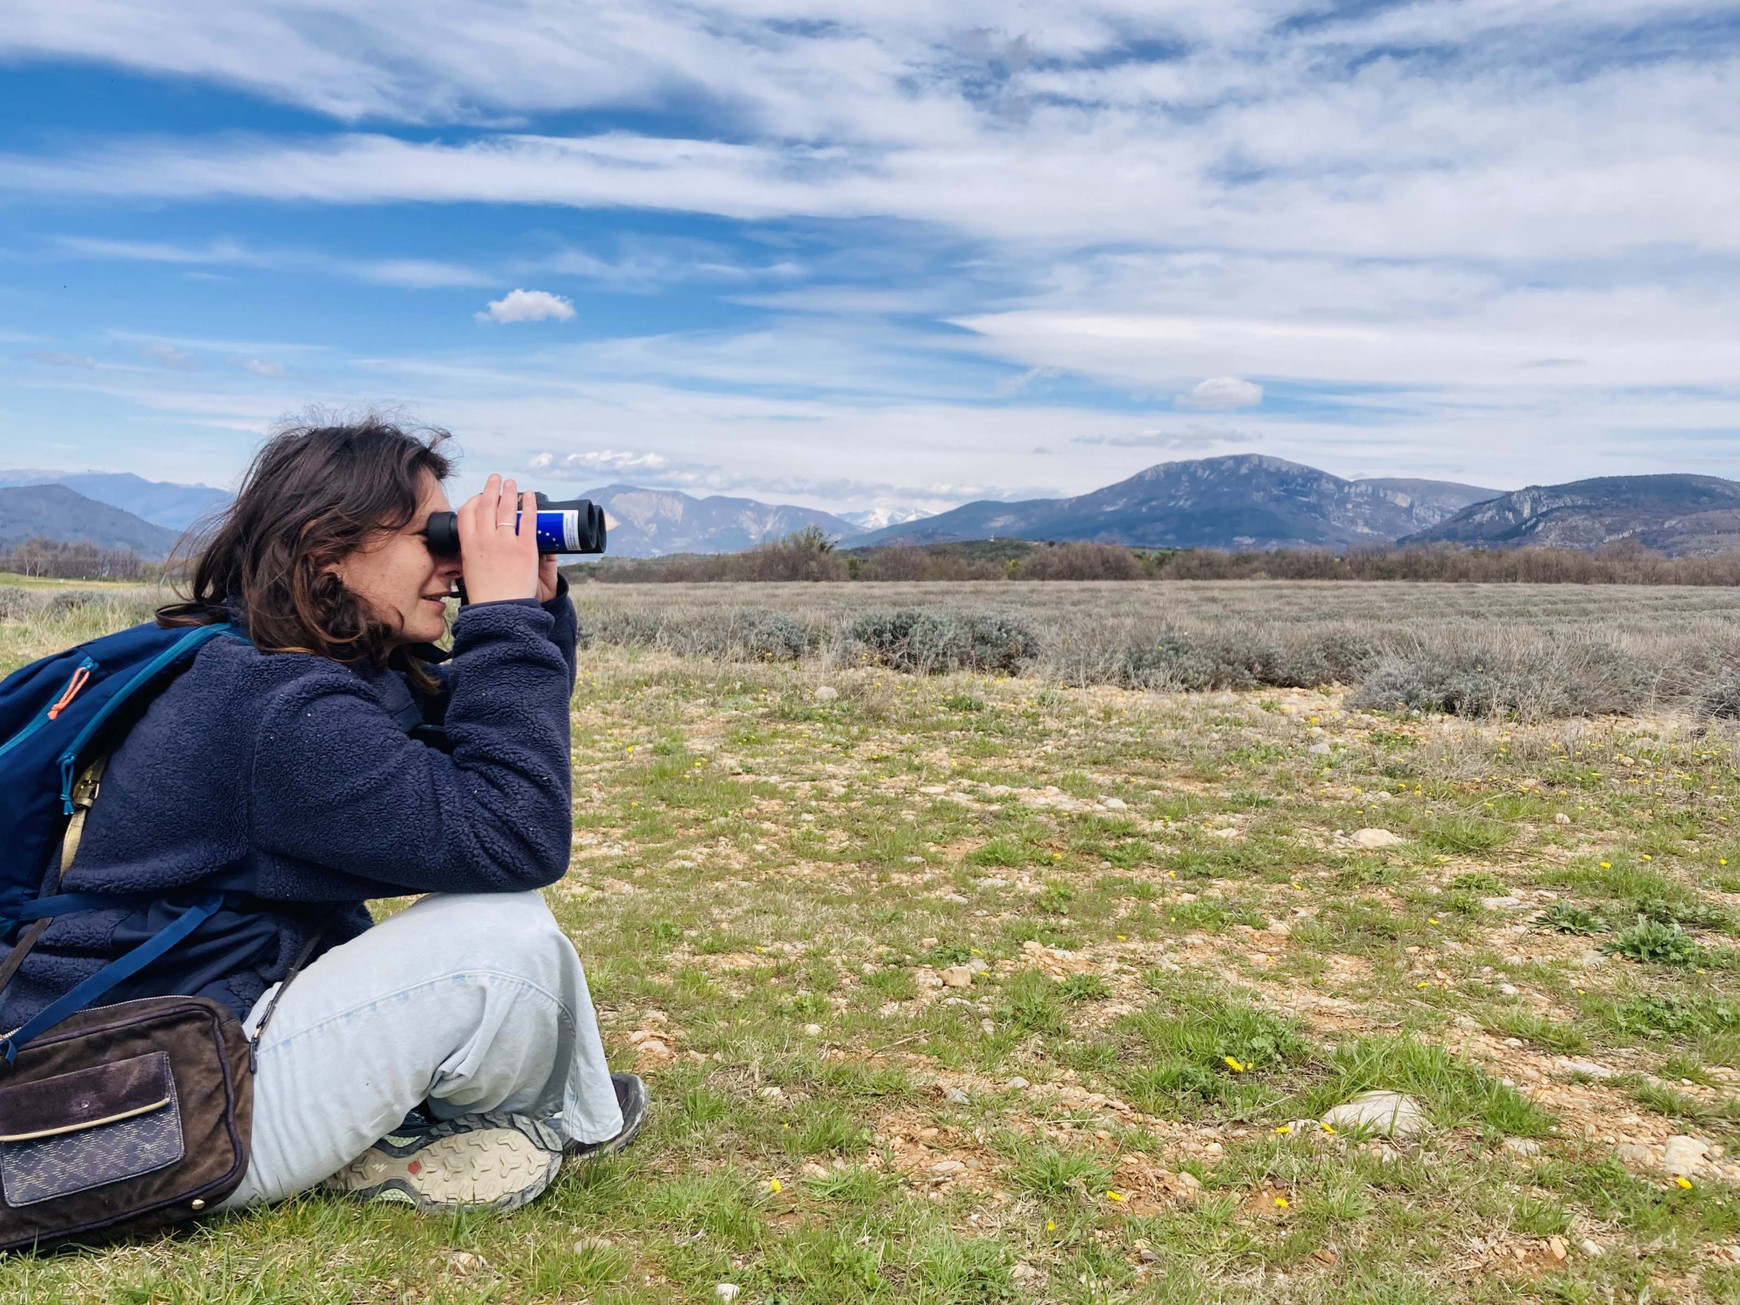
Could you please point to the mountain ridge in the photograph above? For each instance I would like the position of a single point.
(1673, 514)
(62, 514)
(1246, 500)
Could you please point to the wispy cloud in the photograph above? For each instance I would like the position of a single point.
(64, 359)
(1192, 438)
(403, 273)
(1220, 394)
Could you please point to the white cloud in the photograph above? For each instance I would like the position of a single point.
(528, 306)
(170, 356)
(272, 370)
(1221, 394)
(596, 460)
(403, 273)
(65, 360)
(1194, 437)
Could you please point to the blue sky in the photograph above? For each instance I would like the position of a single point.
(873, 256)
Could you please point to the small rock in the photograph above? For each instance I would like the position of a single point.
(771, 1092)
(978, 966)
(1114, 804)
(1323, 1255)
(1228, 832)
(1280, 928)
(727, 1292)
(1466, 1022)
(958, 976)
(1189, 1181)
(592, 1244)
(959, 1097)
(1685, 1157)
(1560, 818)
(466, 1262)
(1318, 749)
(1389, 1113)
(1587, 1068)
(1505, 903)
(1509, 990)
(1635, 1155)
(1589, 960)
(826, 693)
(1148, 1255)
(812, 1029)
(1375, 838)
(1019, 1084)
(814, 1170)
(948, 1167)
(1556, 1249)
(1590, 1247)
(1524, 1146)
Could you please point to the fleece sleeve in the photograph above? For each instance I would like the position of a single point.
(337, 783)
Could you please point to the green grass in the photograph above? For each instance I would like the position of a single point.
(1171, 1037)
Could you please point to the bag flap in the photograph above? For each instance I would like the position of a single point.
(85, 1098)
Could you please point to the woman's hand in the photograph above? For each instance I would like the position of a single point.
(498, 563)
(547, 580)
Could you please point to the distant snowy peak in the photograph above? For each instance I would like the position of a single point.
(882, 517)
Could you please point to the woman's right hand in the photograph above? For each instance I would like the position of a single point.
(498, 564)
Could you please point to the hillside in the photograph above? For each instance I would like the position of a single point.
(1240, 502)
(162, 503)
(58, 513)
(653, 522)
(1672, 514)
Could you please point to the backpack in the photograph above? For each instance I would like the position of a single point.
(122, 1118)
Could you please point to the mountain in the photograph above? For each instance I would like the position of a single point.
(160, 502)
(56, 512)
(1672, 514)
(1246, 501)
(879, 518)
(653, 522)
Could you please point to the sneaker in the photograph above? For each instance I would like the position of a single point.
(489, 1161)
(631, 1096)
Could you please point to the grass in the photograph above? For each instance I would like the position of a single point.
(1176, 950)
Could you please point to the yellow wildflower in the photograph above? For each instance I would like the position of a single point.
(773, 1185)
(1113, 1196)
(1281, 1201)
(1685, 1183)
(1233, 1065)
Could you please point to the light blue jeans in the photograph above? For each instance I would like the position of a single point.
(470, 1002)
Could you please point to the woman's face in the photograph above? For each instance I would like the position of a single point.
(403, 583)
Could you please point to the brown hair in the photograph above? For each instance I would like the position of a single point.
(313, 495)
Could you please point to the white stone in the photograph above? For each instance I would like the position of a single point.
(1589, 1247)
(812, 1029)
(1114, 804)
(826, 693)
(1223, 833)
(1019, 1084)
(1504, 903)
(1560, 818)
(1375, 838)
(958, 976)
(1318, 749)
(1390, 1113)
(948, 1167)
(959, 1097)
(1635, 1155)
(1685, 1157)
(1280, 928)
(1587, 1068)
(1509, 990)
(727, 1292)
(1524, 1146)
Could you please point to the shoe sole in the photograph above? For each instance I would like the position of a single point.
(496, 1168)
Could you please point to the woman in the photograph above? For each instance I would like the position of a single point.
(447, 1056)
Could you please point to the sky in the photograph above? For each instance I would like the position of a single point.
(876, 256)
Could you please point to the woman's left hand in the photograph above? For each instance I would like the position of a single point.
(546, 577)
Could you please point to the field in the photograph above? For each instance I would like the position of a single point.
(973, 988)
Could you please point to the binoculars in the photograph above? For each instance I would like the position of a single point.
(576, 526)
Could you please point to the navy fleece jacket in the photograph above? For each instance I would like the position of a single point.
(292, 778)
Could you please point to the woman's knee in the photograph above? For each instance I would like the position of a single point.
(496, 931)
